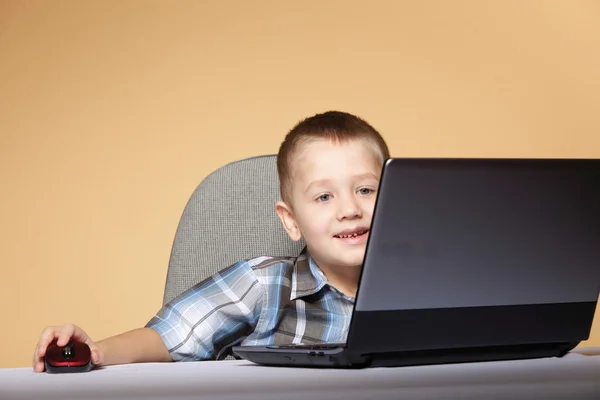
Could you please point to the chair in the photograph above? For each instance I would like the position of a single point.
(229, 217)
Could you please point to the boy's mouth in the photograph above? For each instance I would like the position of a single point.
(353, 233)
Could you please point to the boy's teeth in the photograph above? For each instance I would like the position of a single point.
(349, 236)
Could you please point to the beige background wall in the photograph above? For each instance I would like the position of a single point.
(111, 112)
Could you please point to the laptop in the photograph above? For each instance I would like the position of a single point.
(470, 260)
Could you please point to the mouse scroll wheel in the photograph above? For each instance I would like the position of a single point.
(68, 351)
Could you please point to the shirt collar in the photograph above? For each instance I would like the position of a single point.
(307, 278)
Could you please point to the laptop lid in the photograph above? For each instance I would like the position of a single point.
(480, 252)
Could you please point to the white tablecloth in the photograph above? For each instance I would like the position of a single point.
(575, 376)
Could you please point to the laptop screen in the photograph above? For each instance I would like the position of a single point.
(483, 232)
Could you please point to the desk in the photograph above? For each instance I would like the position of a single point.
(575, 376)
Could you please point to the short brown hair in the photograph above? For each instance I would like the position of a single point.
(336, 126)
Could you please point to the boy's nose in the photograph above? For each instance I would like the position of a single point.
(349, 209)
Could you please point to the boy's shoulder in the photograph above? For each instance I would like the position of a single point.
(264, 262)
(269, 265)
(274, 265)
(269, 271)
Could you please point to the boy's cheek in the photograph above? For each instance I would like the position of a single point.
(319, 226)
(369, 206)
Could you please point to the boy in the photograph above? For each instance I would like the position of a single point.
(329, 167)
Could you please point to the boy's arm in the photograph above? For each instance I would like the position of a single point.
(203, 322)
(223, 308)
(138, 345)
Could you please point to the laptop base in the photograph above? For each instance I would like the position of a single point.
(304, 356)
(476, 354)
(301, 356)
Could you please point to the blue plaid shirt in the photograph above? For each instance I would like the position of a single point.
(261, 301)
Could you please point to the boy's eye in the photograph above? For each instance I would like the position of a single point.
(323, 197)
(365, 191)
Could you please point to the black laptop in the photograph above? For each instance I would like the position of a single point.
(470, 260)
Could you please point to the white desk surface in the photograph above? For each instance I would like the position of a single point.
(575, 376)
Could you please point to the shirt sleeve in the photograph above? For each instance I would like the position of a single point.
(212, 315)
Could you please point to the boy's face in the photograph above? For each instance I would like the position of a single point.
(333, 194)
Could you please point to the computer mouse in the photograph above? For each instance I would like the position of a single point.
(73, 357)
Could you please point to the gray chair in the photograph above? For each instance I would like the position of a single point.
(229, 217)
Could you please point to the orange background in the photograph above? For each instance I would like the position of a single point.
(111, 112)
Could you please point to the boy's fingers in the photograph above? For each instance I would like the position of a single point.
(96, 357)
(71, 331)
(38, 366)
(79, 335)
(65, 335)
(48, 335)
(36, 360)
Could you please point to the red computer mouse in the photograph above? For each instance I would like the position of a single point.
(73, 357)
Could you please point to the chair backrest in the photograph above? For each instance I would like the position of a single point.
(229, 217)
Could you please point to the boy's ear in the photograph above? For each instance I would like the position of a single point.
(286, 216)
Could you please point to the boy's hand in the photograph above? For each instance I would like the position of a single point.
(63, 334)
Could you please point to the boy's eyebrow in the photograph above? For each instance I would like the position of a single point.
(320, 182)
(367, 175)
